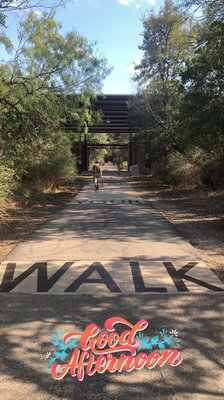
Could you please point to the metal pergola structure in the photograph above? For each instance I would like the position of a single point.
(115, 120)
(114, 108)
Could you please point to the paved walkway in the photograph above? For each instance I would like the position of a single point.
(107, 241)
(109, 254)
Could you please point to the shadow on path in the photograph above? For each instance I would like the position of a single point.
(25, 335)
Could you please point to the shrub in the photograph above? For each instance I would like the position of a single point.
(179, 172)
(124, 165)
(53, 163)
(7, 184)
(213, 173)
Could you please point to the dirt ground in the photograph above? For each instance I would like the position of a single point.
(197, 214)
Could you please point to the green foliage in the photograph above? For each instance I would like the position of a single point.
(50, 77)
(97, 154)
(124, 165)
(213, 172)
(166, 49)
(55, 61)
(202, 107)
(165, 44)
(53, 163)
(117, 155)
(178, 110)
(215, 7)
(2, 19)
(179, 172)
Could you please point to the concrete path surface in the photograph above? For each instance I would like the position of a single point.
(108, 253)
(112, 236)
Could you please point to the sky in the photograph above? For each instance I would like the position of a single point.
(115, 25)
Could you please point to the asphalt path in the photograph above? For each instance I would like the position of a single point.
(107, 254)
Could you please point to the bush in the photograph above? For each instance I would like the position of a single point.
(179, 172)
(53, 164)
(213, 173)
(6, 188)
(124, 165)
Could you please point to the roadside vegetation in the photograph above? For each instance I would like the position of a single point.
(178, 111)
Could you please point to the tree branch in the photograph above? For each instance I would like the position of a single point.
(7, 6)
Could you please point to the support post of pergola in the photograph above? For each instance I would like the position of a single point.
(85, 161)
(130, 152)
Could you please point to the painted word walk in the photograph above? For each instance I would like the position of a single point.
(134, 276)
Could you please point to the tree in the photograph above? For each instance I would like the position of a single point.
(8, 6)
(202, 115)
(180, 103)
(202, 106)
(216, 7)
(165, 46)
(12, 5)
(35, 84)
(47, 60)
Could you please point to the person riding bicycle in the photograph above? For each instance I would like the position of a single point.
(97, 173)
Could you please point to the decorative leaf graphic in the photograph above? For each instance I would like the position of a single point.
(177, 342)
(163, 332)
(57, 354)
(161, 346)
(168, 340)
(62, 345)
(139, 336)
(143, 342)
(60, 352)
(63, 356)
(159, 341)
(155, 340)
(52, 361)
(148, 346)
(72, 343)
